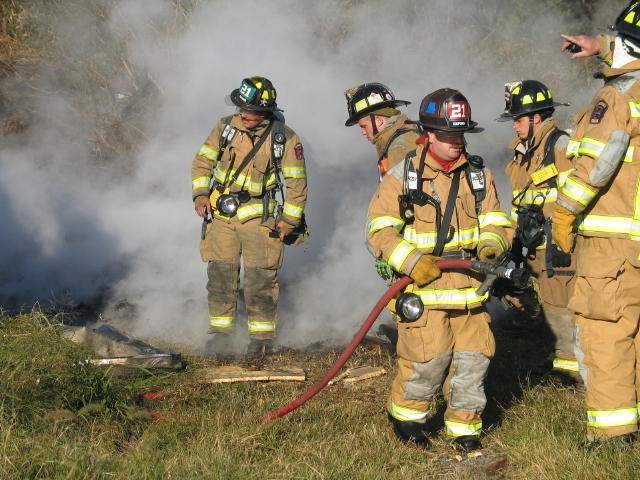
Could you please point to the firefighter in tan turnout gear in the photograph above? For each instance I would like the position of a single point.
(373, 107)
(601, 199)
(442, 203)
(249, 179)
(538, 168)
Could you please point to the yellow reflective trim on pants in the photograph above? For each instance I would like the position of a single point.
(568, 365)
(255, 326)
(407, 414)
(612, 418)
(221, 322)
(457, 429)
(400, 254)
(379, 223)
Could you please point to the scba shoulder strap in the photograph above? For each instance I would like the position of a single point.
(549, 152)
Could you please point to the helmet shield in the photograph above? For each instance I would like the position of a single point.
(368, 98)
(446, 112)
(255, 94)
(524, 98)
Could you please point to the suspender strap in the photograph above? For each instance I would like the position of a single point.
(443, 232)
(252, 153)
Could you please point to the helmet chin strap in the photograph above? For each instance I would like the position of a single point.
(374, 127)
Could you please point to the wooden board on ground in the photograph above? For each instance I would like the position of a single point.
(234, 373)
(352, 375)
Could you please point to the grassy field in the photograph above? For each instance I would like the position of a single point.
(62, 418)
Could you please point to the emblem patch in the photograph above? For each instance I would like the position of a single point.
(598, 112)
(299, 151)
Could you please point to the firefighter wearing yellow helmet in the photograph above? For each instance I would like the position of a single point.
(249, 183)
(442, 202)
(600, 201)
(539, 166)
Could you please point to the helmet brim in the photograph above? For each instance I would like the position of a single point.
(509, 117)
(452, 132)
(239, 102)
(353, 119)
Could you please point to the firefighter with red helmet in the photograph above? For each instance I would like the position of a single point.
(441, 203)
(538, 167)
(249, 184)
(372, 106)
(600, 201)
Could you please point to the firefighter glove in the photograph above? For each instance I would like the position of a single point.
(384, 269)
(562, 227)
(489, 254)
(425, 270)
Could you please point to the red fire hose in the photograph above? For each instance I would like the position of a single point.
(346, 354)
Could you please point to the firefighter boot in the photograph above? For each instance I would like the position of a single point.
(259, 348)
(467, 443)
(410, 432)
(219, 343)
(619, 441)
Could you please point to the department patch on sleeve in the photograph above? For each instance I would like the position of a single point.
(299, 151)
(598, 112)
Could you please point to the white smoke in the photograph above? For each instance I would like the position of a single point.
(71, 225)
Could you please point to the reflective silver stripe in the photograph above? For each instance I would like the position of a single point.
(465, 238)
(379, 223)
(291, 210)
(608, 224)
(400, 254)
(407, 414)
(578, 192)
(458, 297)
(209, 153)
(496, 218)
(200, 182)
(568, 365)
(263, 326)
(457, 429)
(592, 148)
(491, 237)
(294, 172)
(612, 418)
(221, 322)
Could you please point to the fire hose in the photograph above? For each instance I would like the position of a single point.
(493, 271)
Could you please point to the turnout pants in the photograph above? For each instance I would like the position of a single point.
(607, 307)
(226, 245)
(555, 292)
(457, 343)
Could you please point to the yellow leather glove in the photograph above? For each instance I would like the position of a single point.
(489, 254)
(425, 270)
(562, 227)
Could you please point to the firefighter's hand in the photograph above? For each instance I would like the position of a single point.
(202, 205)
(425, 270)
(284, 229)
(562, 227)
(589, 45)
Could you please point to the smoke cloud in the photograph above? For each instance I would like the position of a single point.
(121, 228)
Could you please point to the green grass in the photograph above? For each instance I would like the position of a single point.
(62, 418)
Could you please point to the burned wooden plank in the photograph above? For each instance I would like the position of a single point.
(232, 373)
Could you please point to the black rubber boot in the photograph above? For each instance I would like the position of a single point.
(619, 441)
(410, 432)
(259, 348)
(467, 443)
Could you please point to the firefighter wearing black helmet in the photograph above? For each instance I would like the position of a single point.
(449, 218)
(539, 166)
(247, 160)
(373, 107)
(600, 203)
